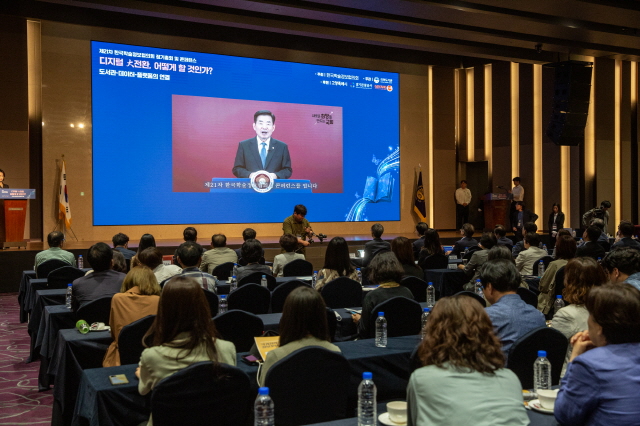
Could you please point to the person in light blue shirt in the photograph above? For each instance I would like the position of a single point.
(602, 382)
(510, 315)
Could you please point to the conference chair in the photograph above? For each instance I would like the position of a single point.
(203, 394)
(281, 292)
(44, 269)
(472, 250)
(342, 292)
(435, 261)
(418, 287)
(474, 296)
(332, 322)
(212, 300)
(239, 327)
(298, 268)
(98, 310)
(256, 277)
(528, 296)
(223, 271)
(308, 386)
(130, 340)
(404, 317)
(546, 260)
(251, 298)
(61, 277)
(524, 352)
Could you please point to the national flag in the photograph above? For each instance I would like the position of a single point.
(418, 203)
(63, 197)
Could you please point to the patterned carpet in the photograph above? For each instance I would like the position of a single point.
(20, 401)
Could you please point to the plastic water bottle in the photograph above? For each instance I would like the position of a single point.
(540, 269)
(425, 316)
(234, 283)
(480, 291)
(263, 281)
(477, 286)
(359, 272)
(431, 295)
(558, 304)
(222, 304)
(544, 247)
(314, 279)
(381, 331)
(466, 251)
(263, 409)
(541, 372)
(367, 415)
(235, 270)
(69, 296)
(80, 262)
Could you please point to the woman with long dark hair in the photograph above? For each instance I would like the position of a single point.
(402, 248)
(337, 263)
(431, 246)
(556, 221)
(303, 323)
(146, 241)
(463, 375)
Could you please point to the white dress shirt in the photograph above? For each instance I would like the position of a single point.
(463, 196)
(518, 193)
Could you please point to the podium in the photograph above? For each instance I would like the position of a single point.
(496, 210)
(13, 215)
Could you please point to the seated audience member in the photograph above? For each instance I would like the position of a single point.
(371, 248)
(558, 235)
(602, 380)
(119, 262)
(565, 250)
(152, 259)
(337, 263)
(146, 241)
(510, 315)
(189, 234)
(463, 375)
(623, 265)
(580, 275)
(121, 244)
(603, 238)
(401, 247)
(591, 247)
(503, 252)
(472, 268)
(518, 247)
(247, 234)
(183, 334)
(431, 246)
(531, 254)
(303, 324)
(289, 243)
(138, 298)
(55, 240)
(467, 240)
(625, 236)
(218, 254)
(386, 271)
(421, 228)
(252, 253)
(501, 236)
(104, 281)
(189, 258)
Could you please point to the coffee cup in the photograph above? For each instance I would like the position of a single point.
(547, 398)
(397, 411)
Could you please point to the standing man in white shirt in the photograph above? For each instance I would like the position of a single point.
(518, 195)
(463, 198)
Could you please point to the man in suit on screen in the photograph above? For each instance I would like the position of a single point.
(263, 152)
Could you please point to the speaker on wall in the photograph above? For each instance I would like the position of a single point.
(572, 91)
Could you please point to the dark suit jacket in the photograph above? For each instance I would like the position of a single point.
(527, 216)
(95, 285)
(372, 247)
(590, 249)
(463, 243)
(128, 254)
(626, 242)
(248, 159)
(417, 246)
(559, 221)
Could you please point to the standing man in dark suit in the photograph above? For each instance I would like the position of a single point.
(371, 248)
(520, 217)
(263, 152)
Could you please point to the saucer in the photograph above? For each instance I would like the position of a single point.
(385, 420)
(536, 406)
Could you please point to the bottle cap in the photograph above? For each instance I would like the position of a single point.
(69, 285)
(357, 269)
(380, 314)
(367, 375)
(559, 296)
(223, 296)
(79, 255)
(478, 280)
(264, 276)
(427, 310)
(263, 391)
(542, 354)
(234, 277)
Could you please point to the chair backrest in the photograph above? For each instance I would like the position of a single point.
(130, 340)
(472, 250)
(403, 316)
(239, 327)
(251, 298)
(474, 296)
(43, 269)
(256, 277)
(223, 271)
(281, 292)
(343, 292)
(524, 352)
(203, 394)
(310, 385)
(298, 268)
(545, 260)
(528, 296)
(213, 301)
(559, 279)
(59, 278)
(98, 310)
(435, 261)
(332, 321)
(417, 286)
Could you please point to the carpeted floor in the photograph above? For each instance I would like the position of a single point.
(20, 401)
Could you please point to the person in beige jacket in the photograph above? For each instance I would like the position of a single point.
(565, 251)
